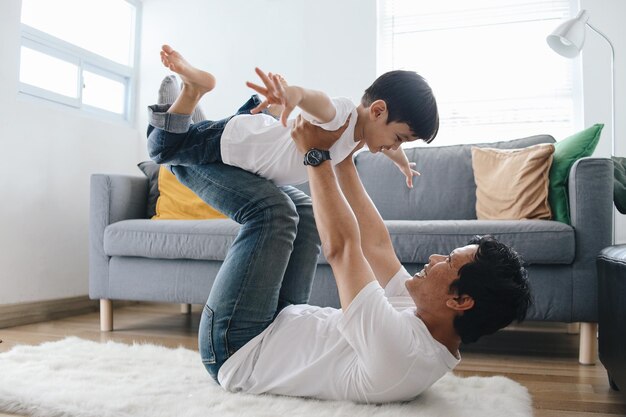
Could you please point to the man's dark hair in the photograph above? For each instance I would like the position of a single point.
(498, 283)
(409, 100)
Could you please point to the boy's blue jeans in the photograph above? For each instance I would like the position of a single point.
(271, 263)
(178, 142)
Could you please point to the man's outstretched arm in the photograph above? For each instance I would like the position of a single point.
(336, 222)
(375, 239)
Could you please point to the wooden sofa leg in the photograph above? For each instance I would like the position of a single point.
(185, 309)
(106, 315)
(588, 343)
(573, 328)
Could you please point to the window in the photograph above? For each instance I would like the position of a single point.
(488, 63)
(80, 53)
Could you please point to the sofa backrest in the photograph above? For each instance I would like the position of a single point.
(446, 189)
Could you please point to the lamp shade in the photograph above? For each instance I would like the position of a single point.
(569, 37)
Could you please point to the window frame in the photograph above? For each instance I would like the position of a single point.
(85, 60)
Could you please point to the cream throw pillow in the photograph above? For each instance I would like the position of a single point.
(512, 184)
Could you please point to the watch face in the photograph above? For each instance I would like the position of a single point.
(314, 157)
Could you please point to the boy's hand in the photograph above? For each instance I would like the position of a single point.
(276, 92)
(402, 162)
(409, 172)
(307, 135)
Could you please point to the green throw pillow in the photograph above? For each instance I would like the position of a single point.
(566, 152)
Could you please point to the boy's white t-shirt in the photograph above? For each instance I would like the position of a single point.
(376, 351)
(262, 145)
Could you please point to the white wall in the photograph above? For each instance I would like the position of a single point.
(326, 44)
(608, 17)
(48, 153)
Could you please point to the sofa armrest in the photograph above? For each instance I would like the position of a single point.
(112, 198)
(591, 210)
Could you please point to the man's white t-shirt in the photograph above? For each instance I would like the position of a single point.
(376, 351)
(262, 145)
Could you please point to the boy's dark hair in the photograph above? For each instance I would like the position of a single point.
(409, 100)
(498, 283)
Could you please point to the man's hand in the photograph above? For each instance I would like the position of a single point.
(402, 162)
(276, 92)
(307, 135)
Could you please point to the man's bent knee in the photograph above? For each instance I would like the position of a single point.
(277, 208)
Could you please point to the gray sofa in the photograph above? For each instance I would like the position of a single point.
(133, 258)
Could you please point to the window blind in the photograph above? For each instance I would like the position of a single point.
(488, 63)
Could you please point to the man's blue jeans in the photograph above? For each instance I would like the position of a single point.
(271, 263)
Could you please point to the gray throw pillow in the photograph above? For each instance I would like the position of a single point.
(151, 170)
(619, 186)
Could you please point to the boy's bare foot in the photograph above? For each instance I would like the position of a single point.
(194, 79)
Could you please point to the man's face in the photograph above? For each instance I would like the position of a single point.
(430, 288)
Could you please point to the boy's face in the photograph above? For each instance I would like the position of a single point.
(379, 135)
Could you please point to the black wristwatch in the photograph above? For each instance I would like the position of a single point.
(315, 156)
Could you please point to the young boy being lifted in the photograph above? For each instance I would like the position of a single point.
(398, 107)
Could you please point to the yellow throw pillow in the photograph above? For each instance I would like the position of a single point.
(512, 184)
(178, 202)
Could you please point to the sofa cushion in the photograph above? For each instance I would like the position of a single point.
(446, 189)
(538, 241)
(171, 239)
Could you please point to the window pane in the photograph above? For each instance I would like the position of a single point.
(59, 76)
(103, 92)
(104, 27)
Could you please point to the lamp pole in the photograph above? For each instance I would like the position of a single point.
(612, 86)
(603, 36)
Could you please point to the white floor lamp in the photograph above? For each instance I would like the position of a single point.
(568, 40)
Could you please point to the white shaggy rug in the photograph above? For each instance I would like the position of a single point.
(79, 378)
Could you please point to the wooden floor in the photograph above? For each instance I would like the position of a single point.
(542, 359)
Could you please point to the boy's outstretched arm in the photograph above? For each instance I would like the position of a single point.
(277, 91)
(335, 220)
(402, 162)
